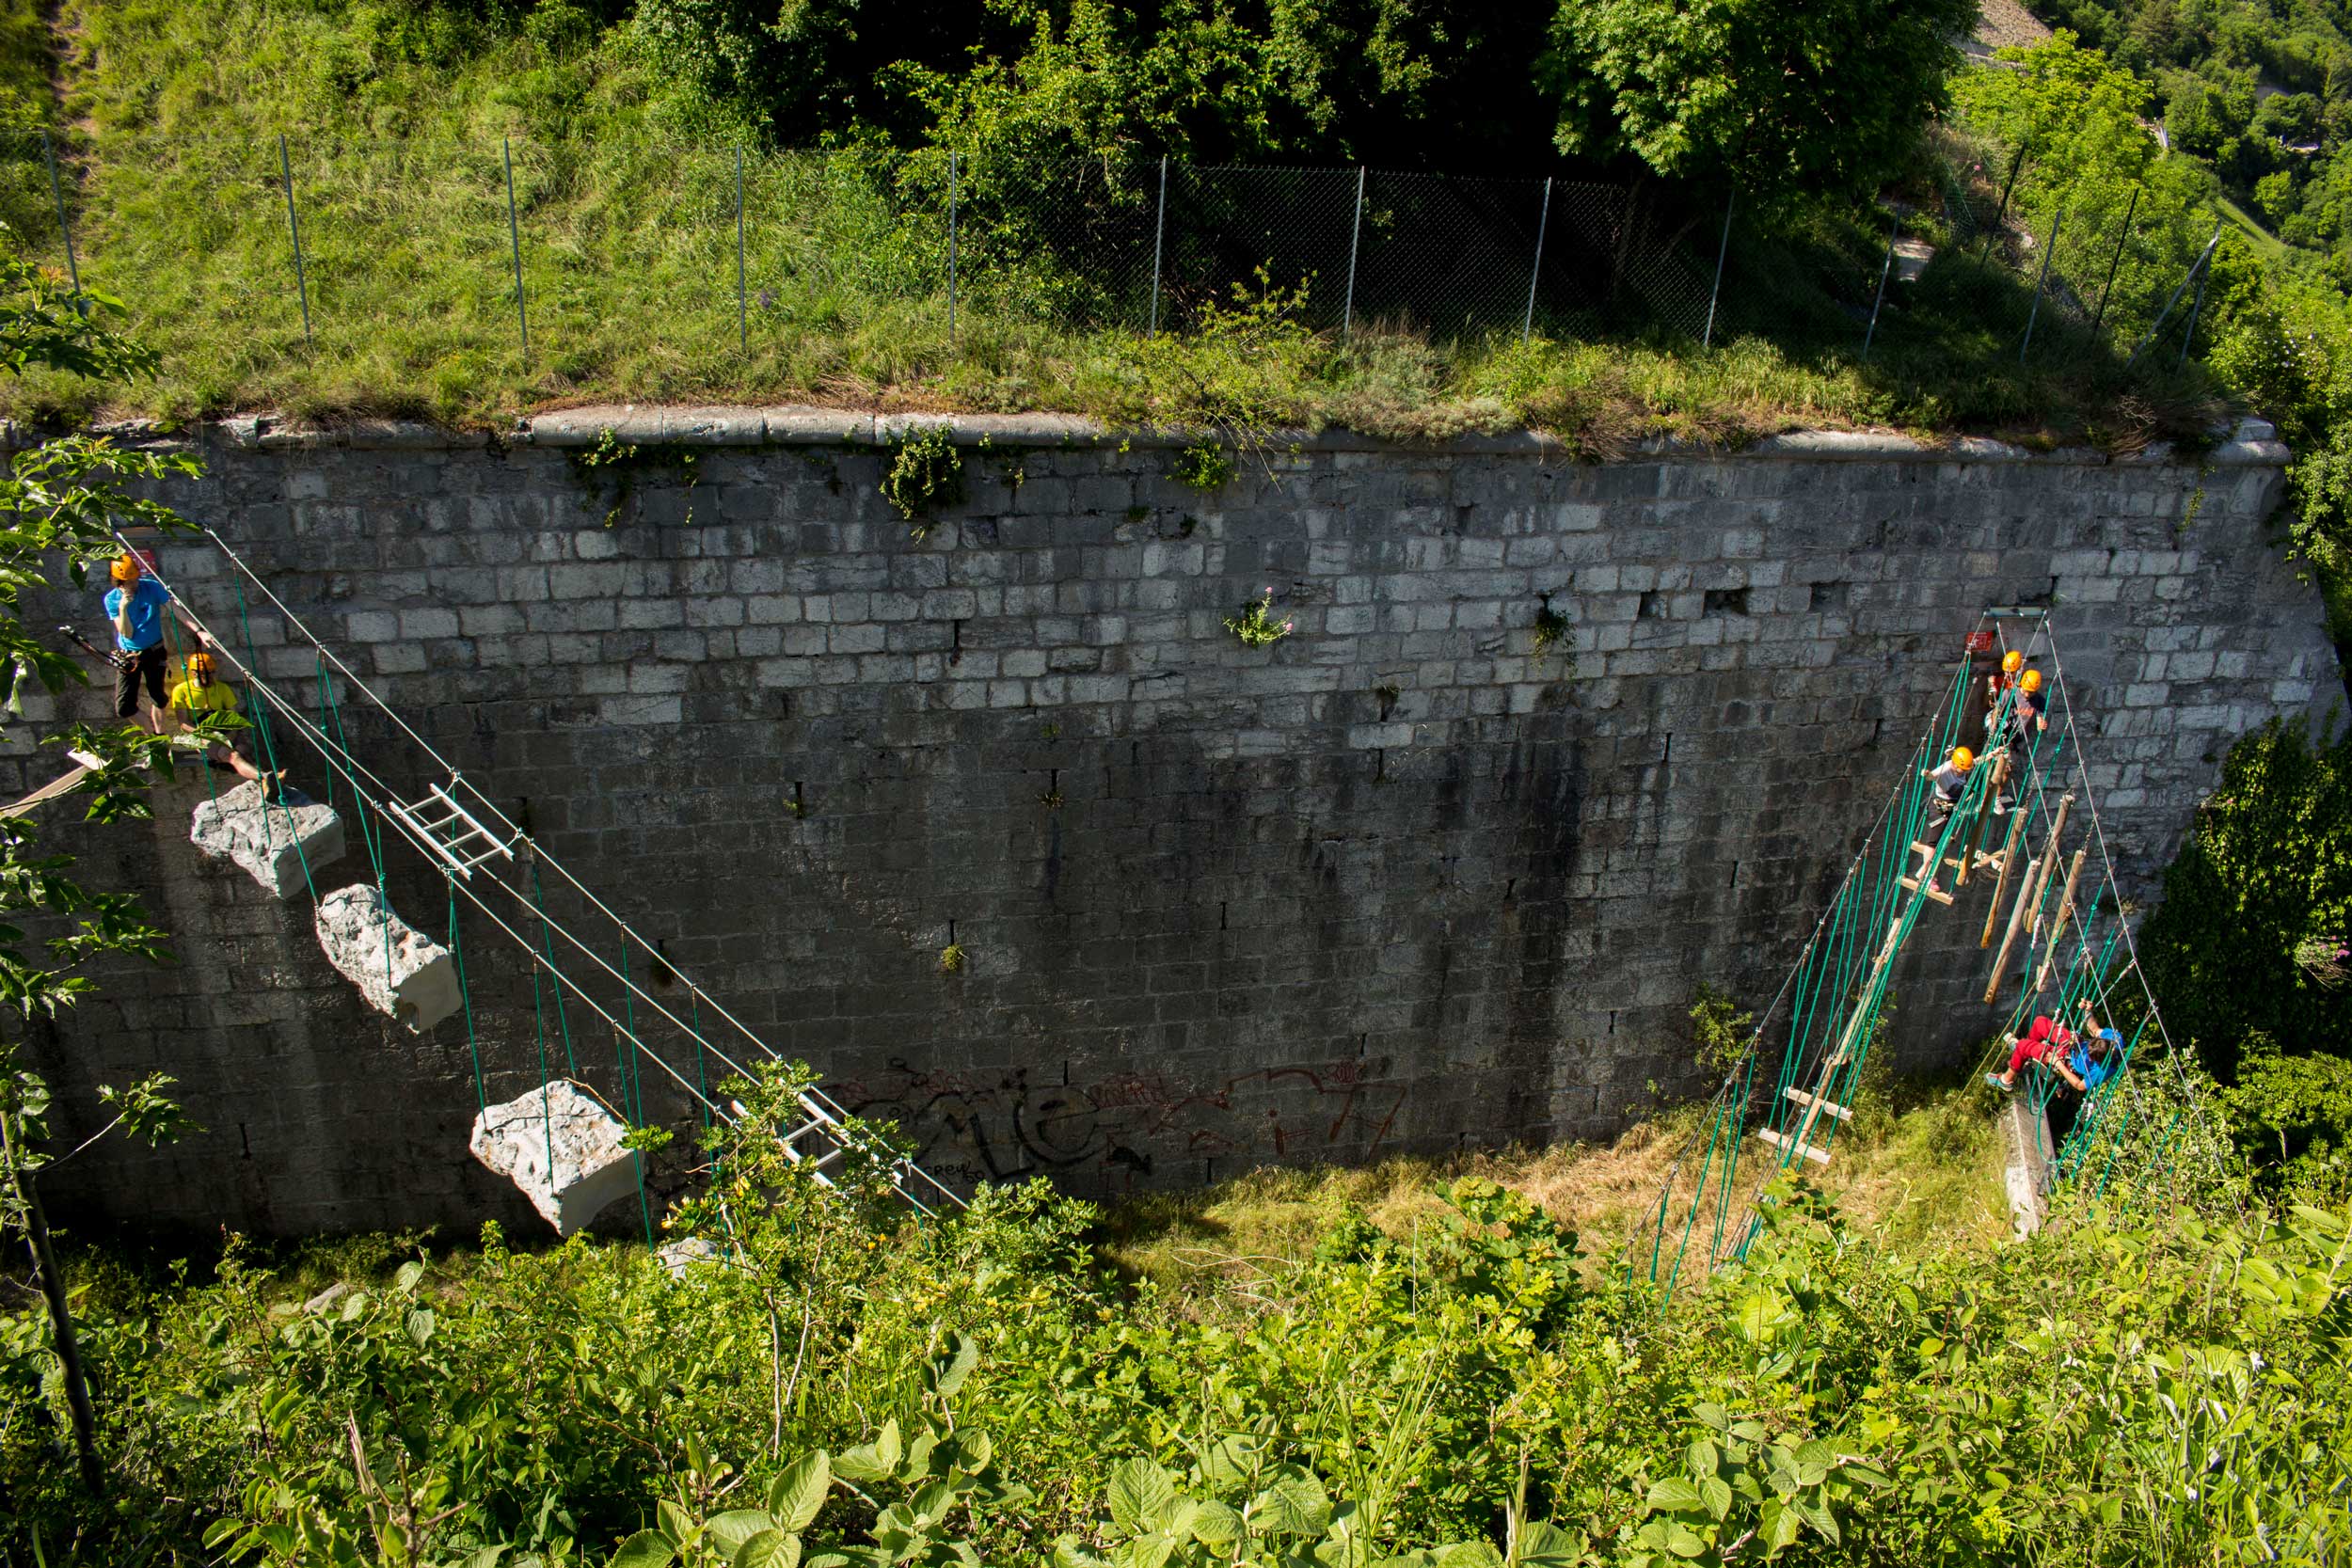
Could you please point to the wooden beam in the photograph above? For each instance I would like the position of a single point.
(1780, 1141)
(2016, 924)
(2065, 913)
(2008, 857)
(1940, 896)
(2049, 864)
(1822, 1106)
(1984, 820)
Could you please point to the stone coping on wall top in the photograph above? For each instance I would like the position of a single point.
(2248, 443)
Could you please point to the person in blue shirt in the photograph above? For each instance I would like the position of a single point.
(135, 605)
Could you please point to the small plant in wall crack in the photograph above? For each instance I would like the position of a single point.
(951, 959)
(1204, 465)
(926, 473)
(1552, 630)
(1256, 626)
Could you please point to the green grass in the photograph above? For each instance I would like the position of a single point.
(2272, 249)
(1922, 1167)
(399, 124)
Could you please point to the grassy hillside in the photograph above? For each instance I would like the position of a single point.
(401, 121)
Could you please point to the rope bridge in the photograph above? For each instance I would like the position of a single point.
(2062, 943)
(490, 865)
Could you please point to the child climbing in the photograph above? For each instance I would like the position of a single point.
(2046, 1041)
(2026, 726)
(1950, 780)
(135, 605)
(1994, 684)
(204, 693)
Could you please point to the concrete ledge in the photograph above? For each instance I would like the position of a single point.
(274, 844)
(399, 970)
(590, 1168)
(2250, 443)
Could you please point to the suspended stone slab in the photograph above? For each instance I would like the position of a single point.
(2026, 1132)
(590, 1168)
(417, 983)
(272, 841)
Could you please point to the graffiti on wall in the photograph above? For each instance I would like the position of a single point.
(1113, 1134)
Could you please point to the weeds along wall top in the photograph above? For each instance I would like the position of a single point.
(1348, 799)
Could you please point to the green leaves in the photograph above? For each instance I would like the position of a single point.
(795, 1495)
(1141, 1494)
(645, 1549)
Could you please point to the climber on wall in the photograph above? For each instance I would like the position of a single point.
(135, 605)
(1994, 684)
(2047, 1042)
(2030, 722)
(203, 693)
(1950, 780)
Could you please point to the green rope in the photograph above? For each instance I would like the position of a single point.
(547, 944)
(632, 1089)
(465, 996)
(269, 752)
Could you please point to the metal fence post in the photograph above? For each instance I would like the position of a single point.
(2116, 260)
(951, 248)
(2195, 271)
(1886, 266)
(1543, 217)
(2041, 278)
(2016, 166)
(1355, 236)
(56, 192)
(1159, 238)
(515, 241)
(302, 284)
(2196, 308)
(1722, 248)
(742, 306)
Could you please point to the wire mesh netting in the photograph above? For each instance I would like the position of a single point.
(676, 262)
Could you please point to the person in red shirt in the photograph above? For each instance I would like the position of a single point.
(2047, 1042)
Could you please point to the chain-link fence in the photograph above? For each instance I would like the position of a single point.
(452, 260)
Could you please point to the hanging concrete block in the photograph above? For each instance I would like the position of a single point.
(417, 983)
(2026, 1174)
(589, 1167)
(271, 842)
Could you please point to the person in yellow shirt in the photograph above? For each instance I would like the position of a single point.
(204, 692)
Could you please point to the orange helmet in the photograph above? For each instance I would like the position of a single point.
(2012, 661)
(1962, 758)
(200, 669)
(125, 568)
(2030, 680)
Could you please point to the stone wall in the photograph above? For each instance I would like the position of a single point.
(1400, 883)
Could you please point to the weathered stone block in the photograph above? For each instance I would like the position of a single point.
(562, 1147)
(399, 970)
(272, 842)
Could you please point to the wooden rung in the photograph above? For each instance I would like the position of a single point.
(1936, 894)
(1829, 1108)
(1779, 1140)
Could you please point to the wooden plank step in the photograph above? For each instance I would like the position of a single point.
(1829, 1108)
(1936, 894)
(1780, 1140)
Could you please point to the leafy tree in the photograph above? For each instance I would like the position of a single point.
(66, 498)
(1779, 95)
(2242, 953)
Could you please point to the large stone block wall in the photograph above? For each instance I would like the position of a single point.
(1398, 882)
